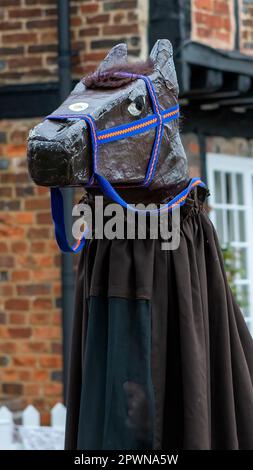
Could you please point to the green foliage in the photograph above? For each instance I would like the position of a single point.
(234, 270)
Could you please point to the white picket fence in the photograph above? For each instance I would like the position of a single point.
(30, 435)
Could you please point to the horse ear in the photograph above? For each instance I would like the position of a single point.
(116, 56)
(162, 55)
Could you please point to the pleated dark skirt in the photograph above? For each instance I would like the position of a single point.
(161, 356)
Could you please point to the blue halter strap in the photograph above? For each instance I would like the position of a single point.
(155, 120)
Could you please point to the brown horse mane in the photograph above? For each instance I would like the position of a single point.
(109, 78)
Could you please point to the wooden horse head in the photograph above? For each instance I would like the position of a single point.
(59, 151)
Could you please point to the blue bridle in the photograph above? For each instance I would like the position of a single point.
(155, 120)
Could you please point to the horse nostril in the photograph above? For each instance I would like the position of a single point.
(60, 127)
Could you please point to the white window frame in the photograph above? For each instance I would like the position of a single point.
(243, 165)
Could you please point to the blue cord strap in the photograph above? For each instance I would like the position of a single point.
(125, 130)
(57, 209)
(109, 192)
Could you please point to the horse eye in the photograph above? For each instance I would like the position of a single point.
(136, 107)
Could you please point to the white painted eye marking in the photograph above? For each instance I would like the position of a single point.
(78, 106)
(136, 107)
(133, 109)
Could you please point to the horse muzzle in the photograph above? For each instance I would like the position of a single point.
(57, 153)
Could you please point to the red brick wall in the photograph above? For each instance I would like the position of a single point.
(28, 36)
(213, 22)
(30, 290)
(246, 24)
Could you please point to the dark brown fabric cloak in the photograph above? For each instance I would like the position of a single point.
(201, 350)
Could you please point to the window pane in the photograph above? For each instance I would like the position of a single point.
(239, 189)
(230, 226)
(241, 219)
(219, 224)
(217, 182)
(228, 182)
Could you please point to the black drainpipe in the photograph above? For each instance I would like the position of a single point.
(65, 85)
(202, 152)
